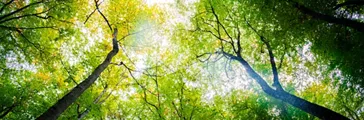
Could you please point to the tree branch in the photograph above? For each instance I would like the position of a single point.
(312, 108)
(175, 107)
(156, 108)
(68, 72)
(88, 16)
(359, 26)
(223, 27)
(20, 9)
(349, 3)
(29, 28)
(276, 82)
(133, 33)
(97, 7)
(27, 15)
(6, 4)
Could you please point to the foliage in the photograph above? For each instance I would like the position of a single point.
(170, 64)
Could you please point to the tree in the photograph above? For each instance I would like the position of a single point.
(61, 105)
(67, 100)
(226, 28)
(208, 59)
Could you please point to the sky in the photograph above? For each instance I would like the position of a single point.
(221, 84)
(153, 2)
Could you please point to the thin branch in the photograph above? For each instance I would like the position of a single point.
(175, 107)
(108, 95)
(78, 110)
(237, 37)
(97, 100)
(101, 94)
(27, 15)
(276, 82)
(97, 7)
(181, 99)
(193, 110)
(223, 27)
(88, 16)
(249, 69)
(29, 28)
(37, 46)
(145, 99)
(20, 9)
(209, 56)
(6, 4)
(68, 72)
(130, 34)
(282, 58)
(139, 84)
(156, 85)
(349, 3)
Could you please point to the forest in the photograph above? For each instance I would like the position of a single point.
(181, 59)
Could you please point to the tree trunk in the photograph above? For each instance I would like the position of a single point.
(312, 108)
(53, 112)
(341, 21)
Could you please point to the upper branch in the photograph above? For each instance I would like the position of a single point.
(223, 27)
(6, 4)
(276, 82)
(20, 9)
(27, 15)
(357, 25)
(349, 3)
(97, 7)
(88, 16)
(249, 70)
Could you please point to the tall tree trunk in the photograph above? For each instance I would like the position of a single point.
(53, 112)
(312, 108)
(359, 26)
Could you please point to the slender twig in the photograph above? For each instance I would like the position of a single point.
(68, 72)
(27, 15)
(37, 46)
(222, 26)
(20, 9)
(276, 82)
(175, 107)
(29, 28)
(88, 16)
(6, 4)
(349, 3)
(130, 34)
(107, 21)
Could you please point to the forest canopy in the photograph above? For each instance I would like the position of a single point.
(181, 59)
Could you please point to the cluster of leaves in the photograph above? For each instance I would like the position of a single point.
(165, 71)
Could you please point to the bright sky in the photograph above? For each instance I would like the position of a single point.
(153, 2)
(221, 84)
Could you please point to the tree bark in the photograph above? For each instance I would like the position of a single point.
(349, 3)
(53, 112)
(312, 108)
(341, 21)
